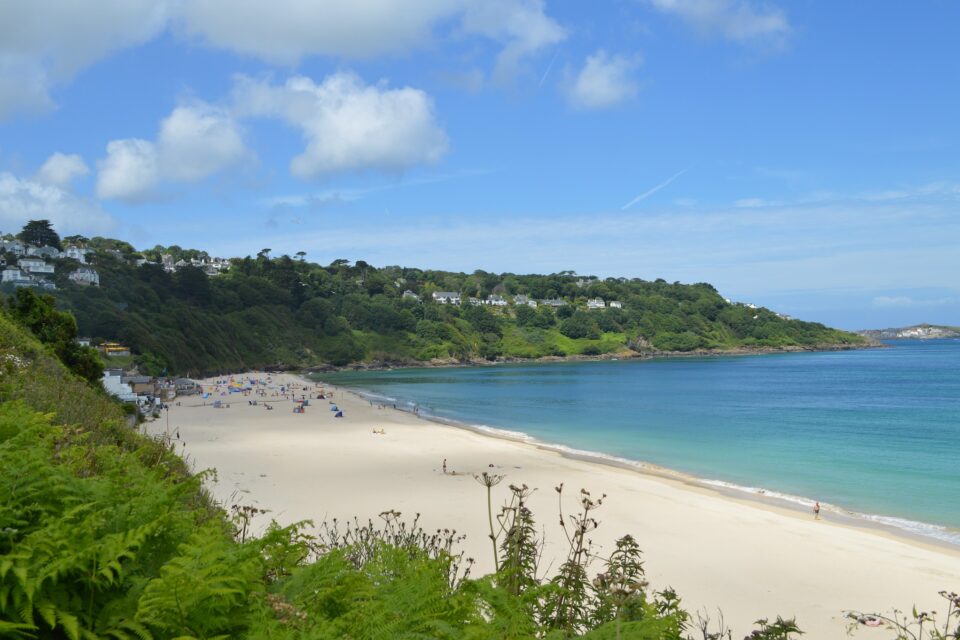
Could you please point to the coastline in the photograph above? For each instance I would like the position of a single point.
(624, 354)
(942, 537)
(719, 548)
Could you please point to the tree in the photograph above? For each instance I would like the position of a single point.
(57, 329)
(40, 233)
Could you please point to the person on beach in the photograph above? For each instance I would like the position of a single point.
(444, 466)
(816, 511)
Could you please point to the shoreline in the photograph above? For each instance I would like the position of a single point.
(625, 354)
(718, 548)
(949, 540)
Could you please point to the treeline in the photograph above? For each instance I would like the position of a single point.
(267, 311)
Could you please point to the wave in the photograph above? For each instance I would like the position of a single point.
(911, 527)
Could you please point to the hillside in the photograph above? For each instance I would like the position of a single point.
(263, 311)
(916, 332)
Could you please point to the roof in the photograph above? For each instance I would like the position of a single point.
(137, 379)
(445, 294)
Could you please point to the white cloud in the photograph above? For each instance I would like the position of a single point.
(45, 42)
(22, 200)
(604, 81)
(61, 169)
(286, 30)
(347, 124)
(522, 25)
(130, 171)
(197, 141)
(741, 21)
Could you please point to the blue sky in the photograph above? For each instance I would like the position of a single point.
(804, 156)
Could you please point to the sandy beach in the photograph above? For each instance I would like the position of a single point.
(748, 557)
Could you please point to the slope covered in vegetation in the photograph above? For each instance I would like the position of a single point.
(266, 311)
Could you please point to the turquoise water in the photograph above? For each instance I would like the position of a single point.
(876, 432)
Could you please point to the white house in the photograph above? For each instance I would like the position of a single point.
(410, 295)
(446, 297)
(596, 303)
(554, 302)
(114, 385)
(495, 301)
(616, 304)
(75, 253)
(85, 276)
(51, 253)
(14, 247)
(522, 299)
(13, 274)
(35, 265)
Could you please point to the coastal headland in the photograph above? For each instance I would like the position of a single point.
(749, 558)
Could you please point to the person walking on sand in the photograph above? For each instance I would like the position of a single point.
(444, 466)
(816, 511)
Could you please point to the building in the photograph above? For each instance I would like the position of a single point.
(475, 302)
(75, 253)
(50, 253)
(446, 297)
(113, 350)
(616, 304)
(596, 303)
(83, 342)
(12, 274)
(114, 385)
(495, 301)
(554, 302)
(14, 247)
(521, 299)
(186, 387)
(35, 265)
(142, 385)
(85, 276)
(410, 295)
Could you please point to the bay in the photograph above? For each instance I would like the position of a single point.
(874, 432)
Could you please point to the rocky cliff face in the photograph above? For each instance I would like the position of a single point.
(920, 331)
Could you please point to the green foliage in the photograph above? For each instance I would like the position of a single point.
(57, 329)
(268, 311)
(40, 233)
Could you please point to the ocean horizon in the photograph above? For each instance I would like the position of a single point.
(868, 433)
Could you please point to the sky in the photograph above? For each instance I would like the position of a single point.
(803, 156)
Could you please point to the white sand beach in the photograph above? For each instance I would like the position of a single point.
(748, 557)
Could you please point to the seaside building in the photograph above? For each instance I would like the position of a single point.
(476, 302)
(114, 385)
(446, 297)
(186, 387)
(495, 301)
(554, 302)
(50, 253)
(75, 253)
(596, 303)
(85, 276)
(14, 247)
(616, 304)
(13, 275)
(113, 350)
(410, 295)
(521, 299)
(35, 266)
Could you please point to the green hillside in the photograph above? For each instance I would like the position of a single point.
(266, 311)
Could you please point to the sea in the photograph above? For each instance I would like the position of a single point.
(871, 433)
